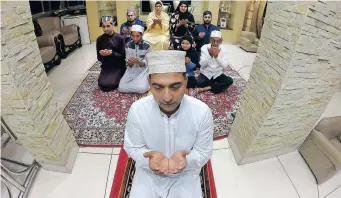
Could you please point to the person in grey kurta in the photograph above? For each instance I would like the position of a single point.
(168, 134)
(135, 79)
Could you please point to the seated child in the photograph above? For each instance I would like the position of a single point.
(192, 60)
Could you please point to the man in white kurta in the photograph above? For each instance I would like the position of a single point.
(213, 62)
(168, 124)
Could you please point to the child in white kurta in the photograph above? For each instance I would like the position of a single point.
(135, 78)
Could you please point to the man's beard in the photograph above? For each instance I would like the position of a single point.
(109, 32)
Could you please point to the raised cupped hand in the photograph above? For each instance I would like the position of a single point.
(125, 30)
(177, 162)
(157, 162)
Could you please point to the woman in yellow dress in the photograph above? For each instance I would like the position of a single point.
(157, 33)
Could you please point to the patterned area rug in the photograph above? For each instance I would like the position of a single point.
(96, 66)
(98, 118)
(125, 170)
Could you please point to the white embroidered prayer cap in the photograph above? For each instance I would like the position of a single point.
(166, 61)
(137, 28)
(216, 33)
(131, 10)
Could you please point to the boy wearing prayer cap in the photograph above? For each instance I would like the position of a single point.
(213, 62)
(111, 53)
(131, 20)
(135, 79)
(204, 30)
(168, 133)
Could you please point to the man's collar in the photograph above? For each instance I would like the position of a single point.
(133, 22)
(109, 35)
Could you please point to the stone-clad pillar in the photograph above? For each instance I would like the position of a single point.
(294, 76)
(26, 94)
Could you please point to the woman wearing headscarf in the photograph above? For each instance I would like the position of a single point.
(157, 33)
(181, 24)
(191, 60)
(111, 53)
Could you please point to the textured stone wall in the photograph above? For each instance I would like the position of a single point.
(295, 74)
(26, 94)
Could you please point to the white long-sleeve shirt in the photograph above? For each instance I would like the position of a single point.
(148, 129)
(212, 67)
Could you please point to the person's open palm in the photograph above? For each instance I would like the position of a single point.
(105, 52)
(130, 61)
(187, 60)
(215, 51)
(218, 51)
(177, 162)
(211, 51)
(157, 162)
(124, 30)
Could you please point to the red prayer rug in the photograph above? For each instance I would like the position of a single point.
(98, 118)
(125, 171)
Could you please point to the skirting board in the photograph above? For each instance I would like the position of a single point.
(242, 160)
(69, 165)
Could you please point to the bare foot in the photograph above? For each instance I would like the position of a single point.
(199, 90)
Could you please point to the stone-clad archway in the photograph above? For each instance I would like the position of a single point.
(26, 94)
(296, 72)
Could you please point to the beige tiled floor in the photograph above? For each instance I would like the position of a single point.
(286, 176)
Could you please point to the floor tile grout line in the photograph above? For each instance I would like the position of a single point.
(220, 149)
(106, 184)
(288, 177)
(97, 153)
(101, 153)
(332, 191)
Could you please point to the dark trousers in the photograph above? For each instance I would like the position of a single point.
(109, 79)
(192, 82)
(218, 85)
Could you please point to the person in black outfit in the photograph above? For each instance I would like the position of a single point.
(110, 48)
(181, 24)
(191, 60)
